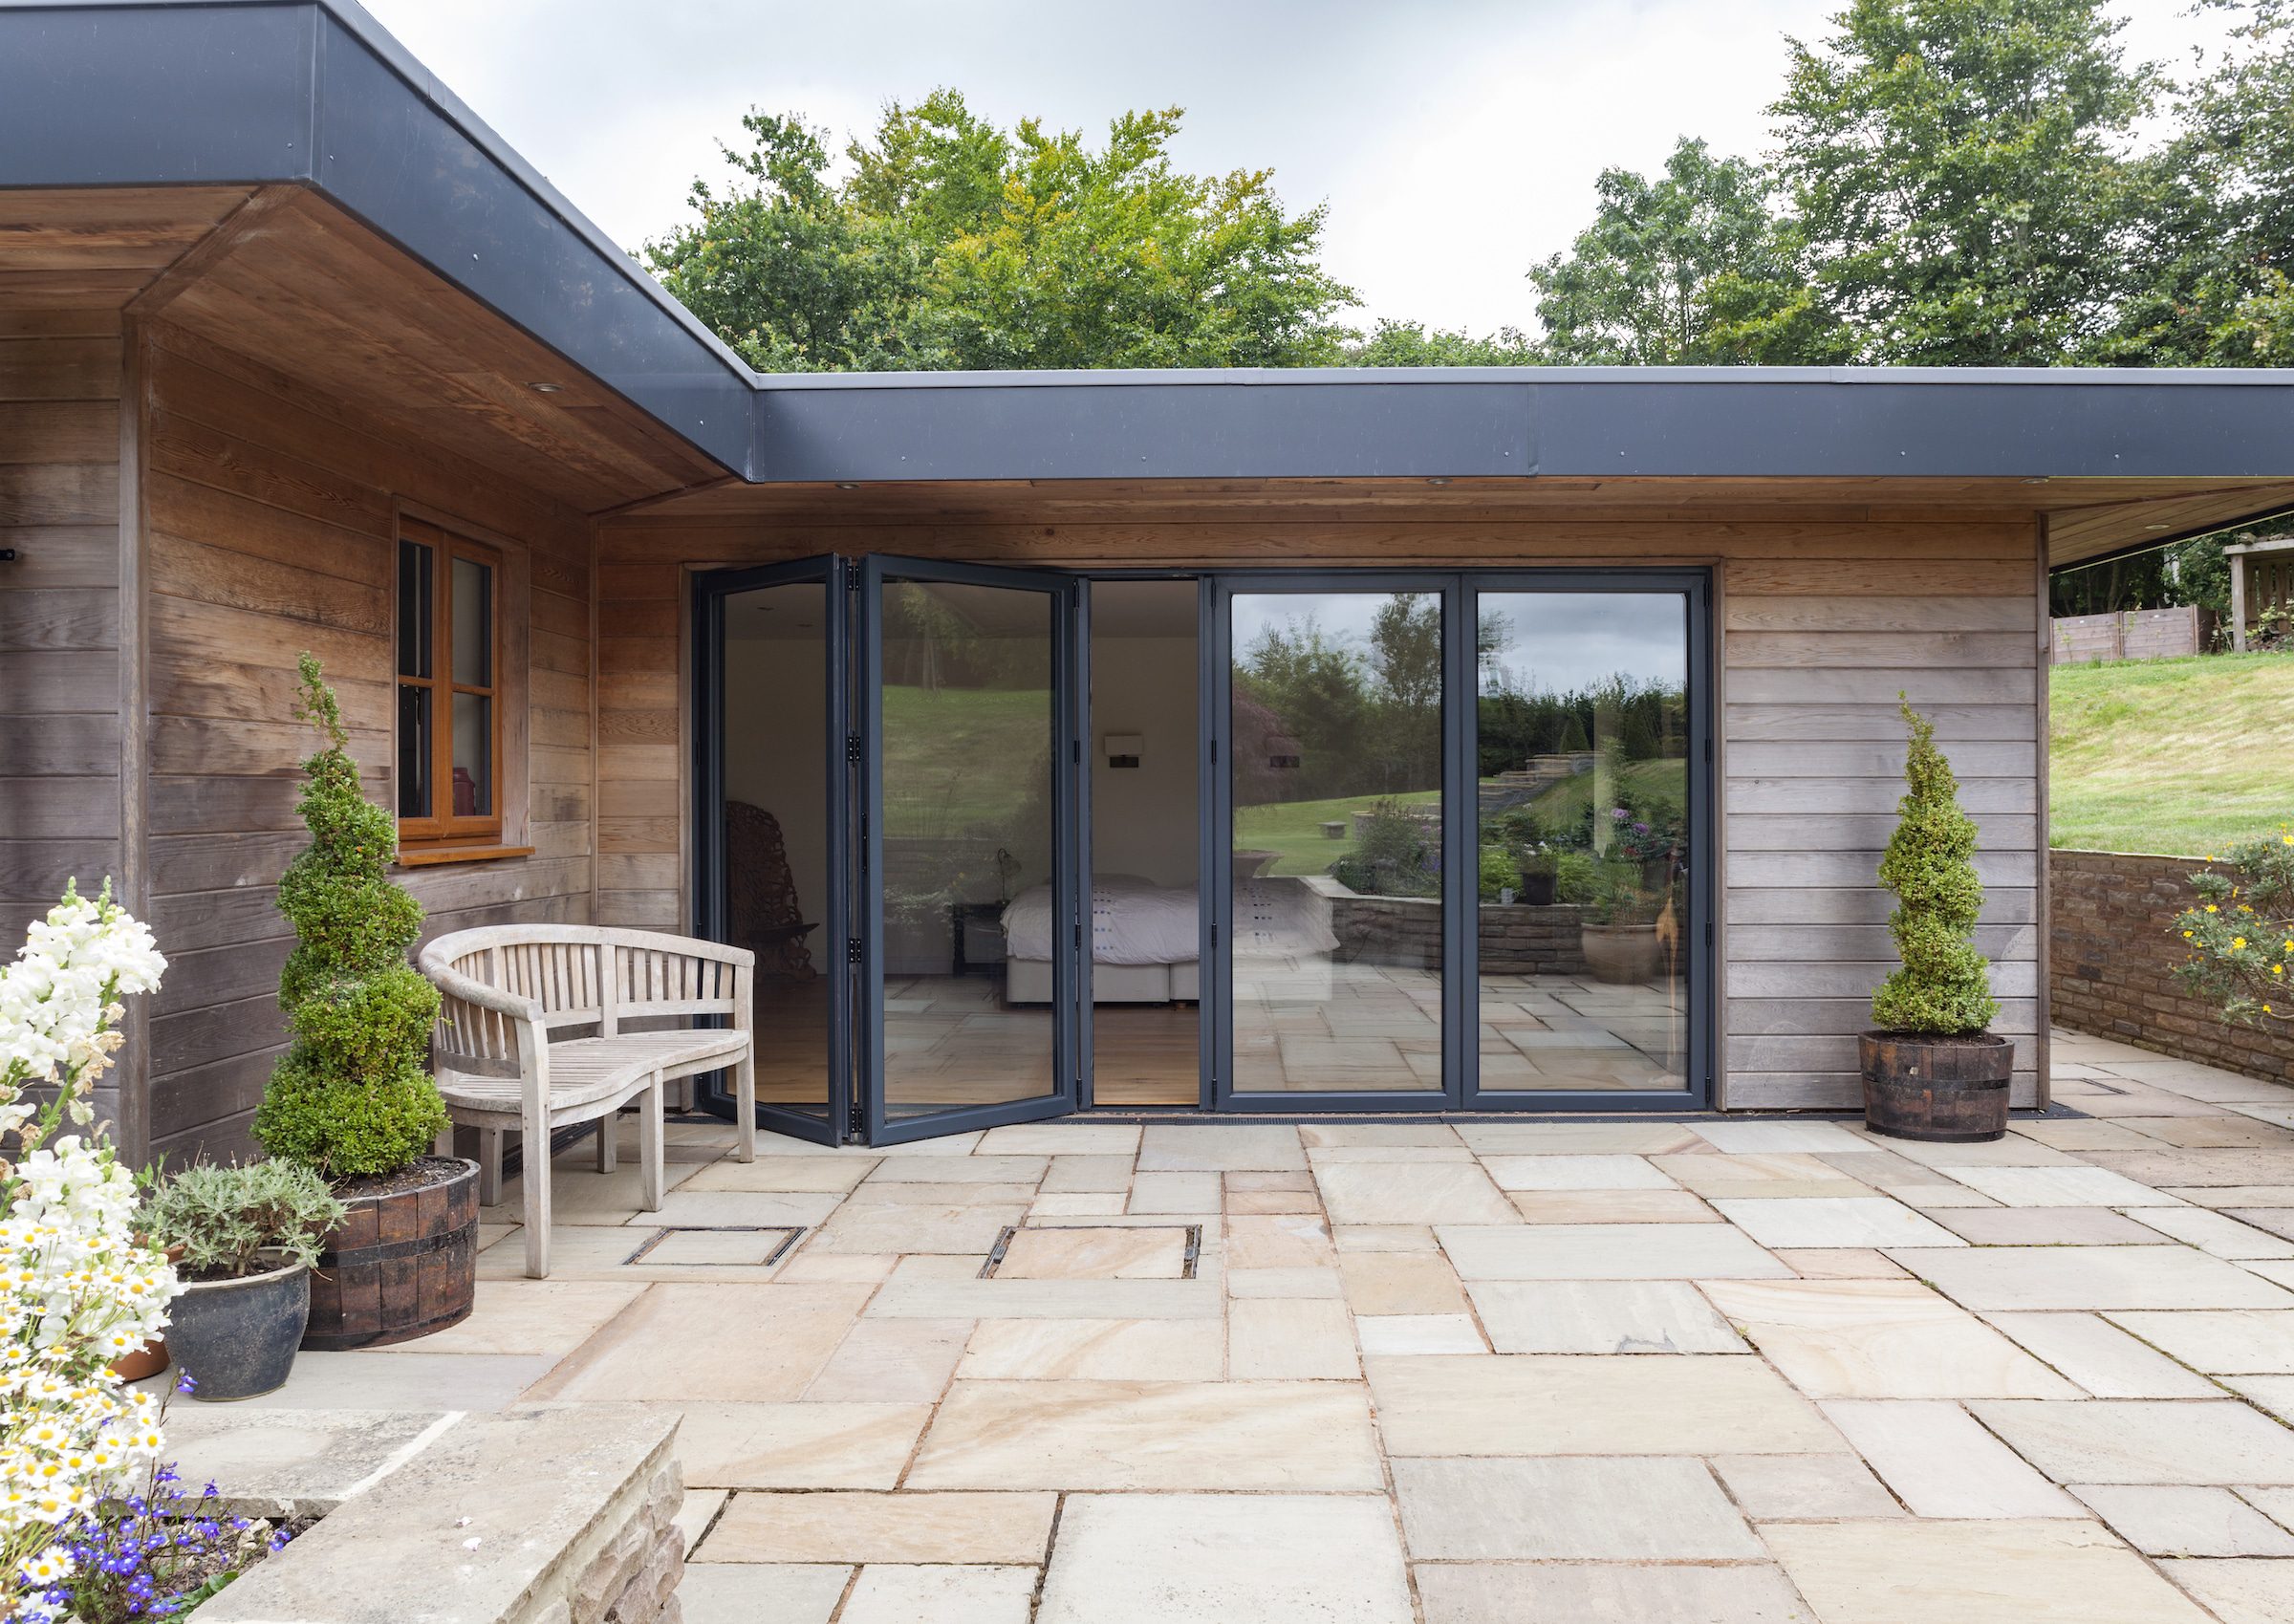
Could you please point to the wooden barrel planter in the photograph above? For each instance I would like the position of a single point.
(1945, 1090)
(404, 1262)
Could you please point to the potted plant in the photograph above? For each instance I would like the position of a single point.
(353, 1099)
(1932, 1070)
(247, 1237)
(1539, 866)
(1618, 935)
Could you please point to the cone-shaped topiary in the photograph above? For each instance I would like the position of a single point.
(1944, 988)
(353, 1096)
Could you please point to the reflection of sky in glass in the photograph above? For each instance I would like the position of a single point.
(1563, 642)
(1553, 642)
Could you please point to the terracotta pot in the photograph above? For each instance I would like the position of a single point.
(147, 1360)
(1622, 952)
(1946, 1090)
(236, 1338)
(401, 1265)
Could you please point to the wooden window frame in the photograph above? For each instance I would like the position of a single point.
(441, 836)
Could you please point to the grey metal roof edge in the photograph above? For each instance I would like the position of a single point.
(1522, 377)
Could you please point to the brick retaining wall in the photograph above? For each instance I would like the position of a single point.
(2113, 955)
(1516, 941)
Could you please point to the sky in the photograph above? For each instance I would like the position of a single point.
(1456, 141)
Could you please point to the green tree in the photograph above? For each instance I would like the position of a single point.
(954, 244)
(1961, 174)
(1412, 343)
(1693, 268)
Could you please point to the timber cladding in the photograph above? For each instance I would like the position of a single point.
(2112, 968)
(1820, 623)
(272, 522)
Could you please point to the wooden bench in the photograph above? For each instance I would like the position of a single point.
(506, 992)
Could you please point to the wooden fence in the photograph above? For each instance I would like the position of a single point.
(2130, 634)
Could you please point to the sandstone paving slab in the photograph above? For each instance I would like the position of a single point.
(852, 1268)
(1611, 1206)
(1576, 1173)
(2239, 1592)
(2272, 1393)
(1880, 1339)
(696, 1510)
(1753, 1139)
(1285, 1283)
(1318, 1154)
(2060, 1186)
(860, 1527)
(910, 1594)
(1773, 1488)
(2215, 1133)
(1263, 1201)
(1580, 1138)
(1174, 1192)
(896, 1228)
(1419, 1333)
(2162, 1168)
(1279, 1240)
(784, 1174)
(529, 1316)
(2167, 1519)
(2275, 1502)
(1607, 1251)
(1941, 1464)
(1853, 1220)
(1107, 1204)
(1774, 1176)
(912, 1193)
(921, 1295)
(2227, 1196)
(1094, 1253)
(1606, 1593)
(2010, 1152)
(1384, 1238)
(1075, 1175)
(1538, 1404)
(1322, 1136)
(2218, 1234)
(1227, 1559)
(795, 1445)
(1290, 1339)
(2090, 1277)
(1411, 1193)
(1107, 1350)
(579, 1195)
(754, 1343)
(958, 1170)
(1601, 1316)
(1222, 1147)
(2048, 1227)
(1839, 1262)
(2102, 1358)
(1621, 1508)
(2222, 1342)
(374, 1379)
(1115, 1436)
(1061, 1139)
(695, 1209)
(2278, 1220)
(1940, 1198)
(892, 1361)
(1914, 1570)
(295, 1463)
(2082, 1134)
(743, 1593)
(1400, 1283)
(2144, 1440)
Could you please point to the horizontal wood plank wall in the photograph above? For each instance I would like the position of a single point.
(271, 531)
(1823, 623)
(60, 812)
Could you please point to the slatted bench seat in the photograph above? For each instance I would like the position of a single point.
(506, 991)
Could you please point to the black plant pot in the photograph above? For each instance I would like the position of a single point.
(236, 1338)
(1945, 1090)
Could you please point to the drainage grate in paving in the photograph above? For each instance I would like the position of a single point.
(717, 1246)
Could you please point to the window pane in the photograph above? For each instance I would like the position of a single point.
(414, 609)
(473, 756)
(414, 753)
(1584, 747)
(1336, 767)
(968, 738)
(473, 625)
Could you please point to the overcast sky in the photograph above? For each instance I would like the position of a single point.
(1454, 141)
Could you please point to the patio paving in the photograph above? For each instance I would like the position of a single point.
(1704, 1372)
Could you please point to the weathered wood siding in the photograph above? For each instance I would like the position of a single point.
(272, 515)
(60, 813)
(1818, 625)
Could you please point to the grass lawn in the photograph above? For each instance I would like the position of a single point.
(1294, 828)
(962, 759)
(2179, 757)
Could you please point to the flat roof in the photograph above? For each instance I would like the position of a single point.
(316, 92)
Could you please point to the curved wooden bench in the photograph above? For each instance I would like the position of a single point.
(506, 993)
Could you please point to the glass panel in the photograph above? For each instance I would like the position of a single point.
(1584, 747)
(473, 623)
(414, 609)
(473, 756)
(414, 753)
(967, 733)
(776, 829)
(1146, 977)
(1336, 775)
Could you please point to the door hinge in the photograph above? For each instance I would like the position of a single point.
(853, 749)
(853, 953)
(1708, 933)
(855, 1121)
(1214, 935)
(851, 576)
(1708, 750)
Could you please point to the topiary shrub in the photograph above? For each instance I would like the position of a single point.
(353, 1097)
(1944, 987)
